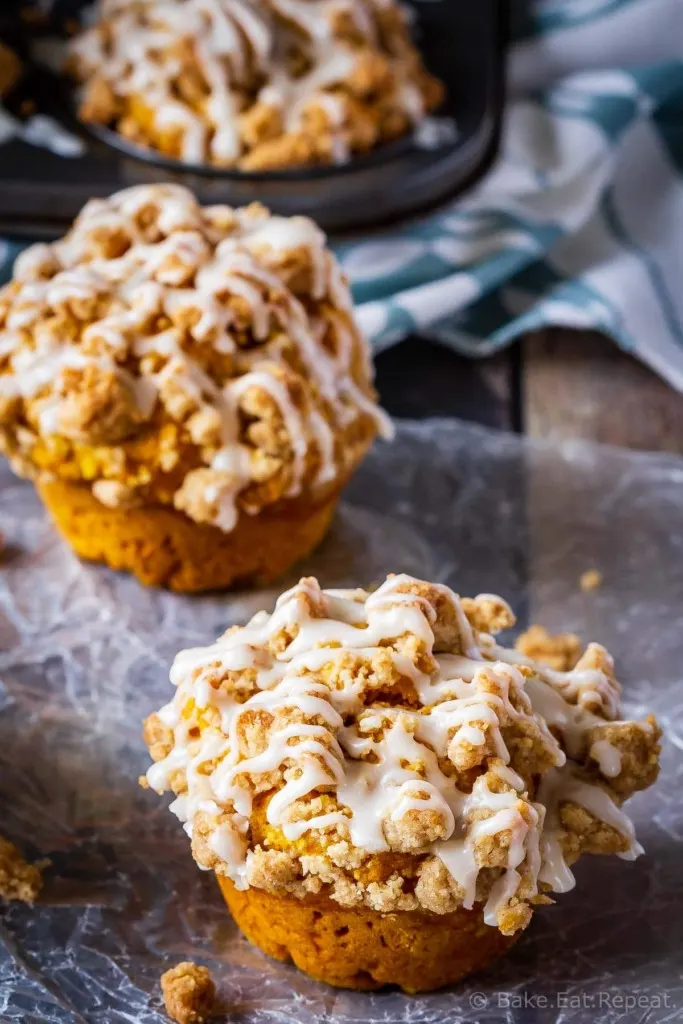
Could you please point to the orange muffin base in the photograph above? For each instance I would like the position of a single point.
(164, 548)
(360, 948)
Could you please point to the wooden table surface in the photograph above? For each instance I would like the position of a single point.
(557, 384)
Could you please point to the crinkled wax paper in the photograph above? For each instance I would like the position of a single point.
(85, 656)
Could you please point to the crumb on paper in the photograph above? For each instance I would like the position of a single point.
(189, 993)
(560, 651)
(590, 580)
(19, 880)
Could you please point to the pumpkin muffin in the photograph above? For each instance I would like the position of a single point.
(186, 385)
(386, 794)
(258, 85)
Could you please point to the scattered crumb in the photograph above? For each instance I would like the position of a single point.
(559, 650)
(189, 993)
(590, 580)
(18, 879)
(142, 782)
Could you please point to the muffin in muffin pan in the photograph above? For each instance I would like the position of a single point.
(186, 385)
(257, 85)
(384, 792)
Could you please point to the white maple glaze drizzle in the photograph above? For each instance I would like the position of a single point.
(184, 272)
(555, 789)
(384, 764)
(585, 686)
(608, 758)
(234, 42)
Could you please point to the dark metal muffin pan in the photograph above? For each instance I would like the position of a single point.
(462, 43)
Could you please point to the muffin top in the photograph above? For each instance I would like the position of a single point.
(255, 83)
(383, 749)
(165, 353)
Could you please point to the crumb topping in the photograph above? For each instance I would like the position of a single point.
(165, 353)
(590, 580)
(18, 879)
(259, 84)
(560, 651)
(383, 749)
(189, 993)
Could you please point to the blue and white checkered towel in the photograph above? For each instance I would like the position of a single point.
(580, 223)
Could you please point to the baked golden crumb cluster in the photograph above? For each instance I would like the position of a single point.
(558, 650)
(165, 353)
(591, 579)
(257, 84)
(18, 879)
(189, 993)
(381, 748)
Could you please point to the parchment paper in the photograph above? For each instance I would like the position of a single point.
(84, 656)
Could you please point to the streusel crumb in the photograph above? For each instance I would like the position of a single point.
(19, 880)
(383, 750)
(189, 993)
(559, 650)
